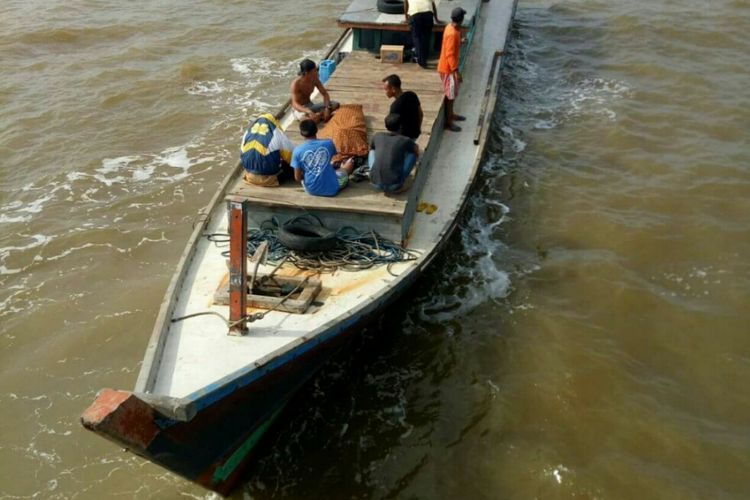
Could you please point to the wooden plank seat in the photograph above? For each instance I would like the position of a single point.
(358, 80)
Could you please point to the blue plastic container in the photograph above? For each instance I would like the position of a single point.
(326, 69)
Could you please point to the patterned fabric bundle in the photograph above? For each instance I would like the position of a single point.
(348, 130)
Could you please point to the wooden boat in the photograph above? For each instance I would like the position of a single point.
(203, 398)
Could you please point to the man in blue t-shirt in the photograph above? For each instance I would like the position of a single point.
(312, 165)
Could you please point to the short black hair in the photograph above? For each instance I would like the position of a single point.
(393, 122)
(308, 128)
(457, 15)
(306, 65)
(393, 80)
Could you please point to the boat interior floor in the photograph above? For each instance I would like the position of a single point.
(358, 80)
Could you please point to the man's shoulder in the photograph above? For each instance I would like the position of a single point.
(406, 98)
(315, 144)
(382, 136)
(391, 138)
(412, 96)
(301, 148)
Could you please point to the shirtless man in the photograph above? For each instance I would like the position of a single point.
(303, 87)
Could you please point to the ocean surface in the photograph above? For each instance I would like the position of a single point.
(585, 335)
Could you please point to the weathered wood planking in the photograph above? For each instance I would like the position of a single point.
(358, 80)
(358, 197)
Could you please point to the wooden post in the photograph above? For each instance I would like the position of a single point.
(237, 266)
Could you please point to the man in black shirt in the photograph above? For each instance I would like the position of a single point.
(392, 157)
(406, 104)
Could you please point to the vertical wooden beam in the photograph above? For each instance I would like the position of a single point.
(237, 266)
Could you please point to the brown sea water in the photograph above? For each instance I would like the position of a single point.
(585, 334)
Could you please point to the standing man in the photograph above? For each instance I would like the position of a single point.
(448, 66)
(312, 166)
(302, 88)
(419, 15)
(406, 105)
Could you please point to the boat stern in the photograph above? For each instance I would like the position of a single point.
(122, 417)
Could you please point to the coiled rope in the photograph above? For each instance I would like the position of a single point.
(355, 251)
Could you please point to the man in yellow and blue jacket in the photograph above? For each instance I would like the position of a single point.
(266, 152)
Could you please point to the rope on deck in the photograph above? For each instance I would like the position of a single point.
(356, 250)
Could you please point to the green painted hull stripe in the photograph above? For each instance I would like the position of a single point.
(224, 471)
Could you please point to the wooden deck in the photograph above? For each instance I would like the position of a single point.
(358, 80)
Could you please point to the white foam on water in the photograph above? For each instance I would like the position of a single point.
(162, 239)
(107, 181)
(486, 279)
(69, 251)
(594, 96)
(5, 252)
(5, 270)
(18, 290)
(694, 283)
(553, 98)
(176, 157)
(258, 69)
(116, 314)
(545, 124)
(518, 144)
(251, 101)
(11, 206)
(37, 205)
(20, 211)
(30, 187)
(75, 176)
(144, 173)
(129, 170)
(110, 165)
(207, 88)
(38, 240)
(557, 473)
(8, 219)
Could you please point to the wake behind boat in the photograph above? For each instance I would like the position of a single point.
(204, 398)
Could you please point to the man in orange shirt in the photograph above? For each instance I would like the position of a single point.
(448, 66)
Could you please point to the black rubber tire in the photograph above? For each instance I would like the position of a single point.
(306, 237)
(391, 6)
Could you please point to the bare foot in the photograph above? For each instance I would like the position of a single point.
(348, 166)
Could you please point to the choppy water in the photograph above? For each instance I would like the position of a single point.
(585, 335)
